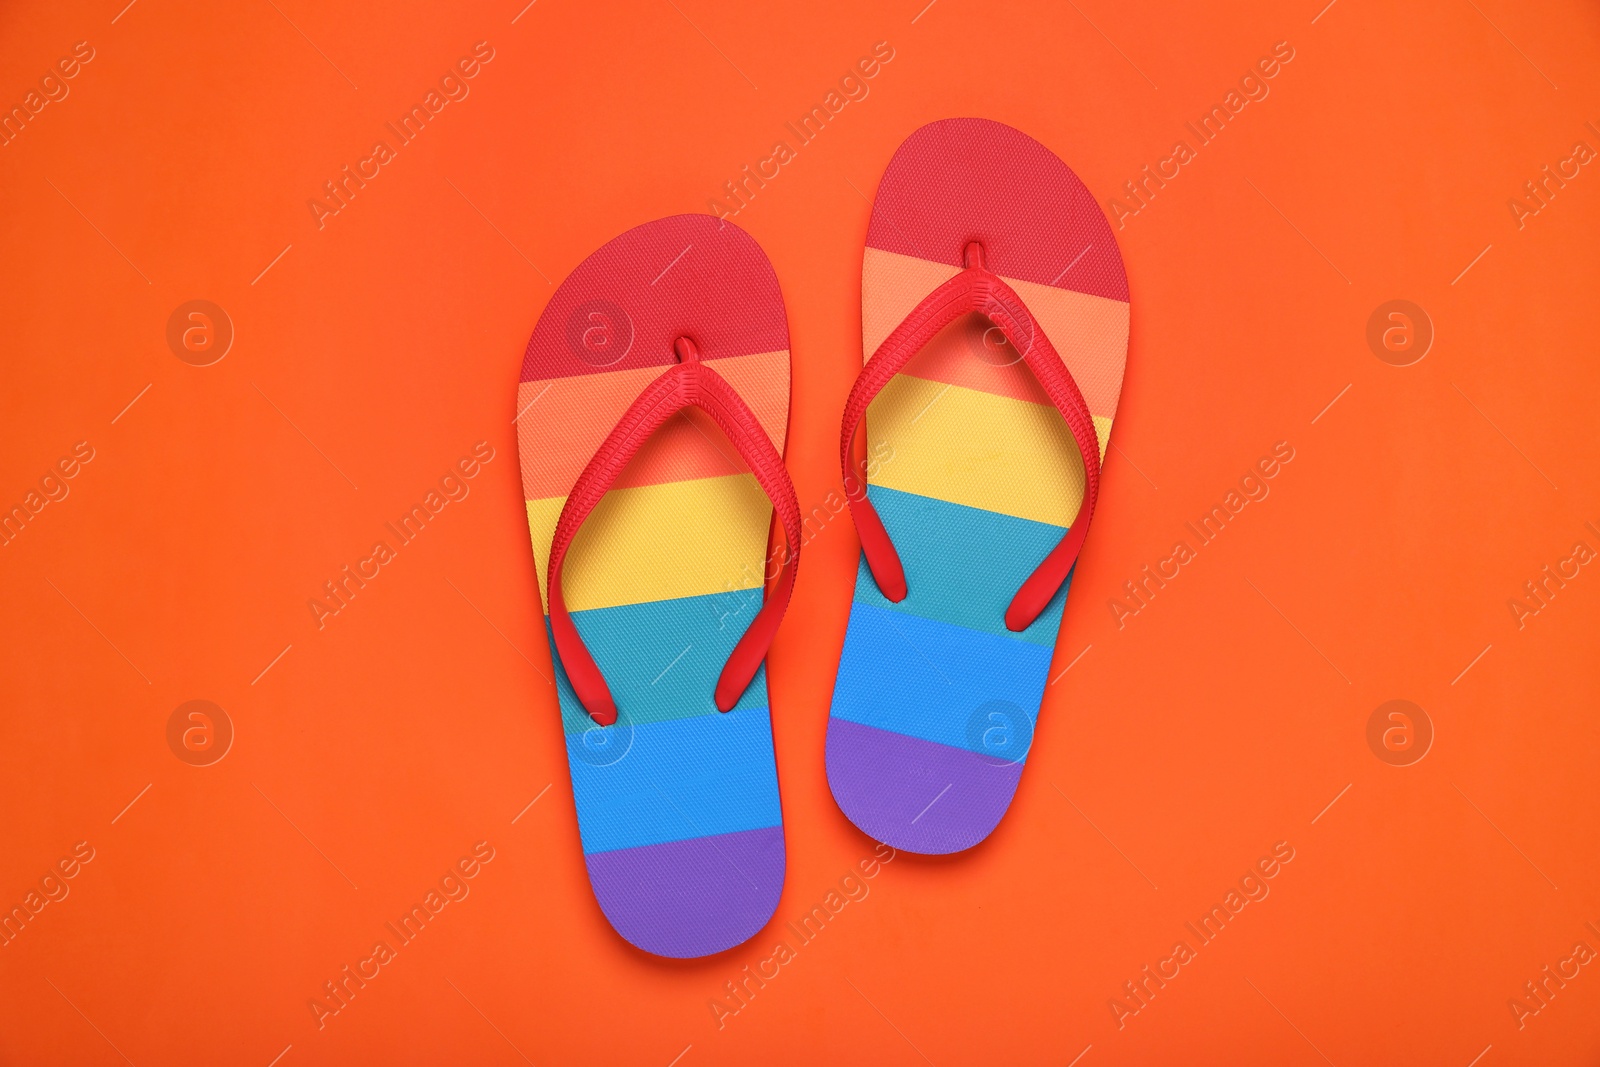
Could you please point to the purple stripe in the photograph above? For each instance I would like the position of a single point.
(694, 897)
(916, 795)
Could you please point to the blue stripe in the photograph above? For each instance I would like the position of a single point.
(662, 659)
(940, 682)
(651, 783)
(963, 565)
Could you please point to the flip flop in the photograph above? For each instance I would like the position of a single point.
(659, 364)
(985, 258)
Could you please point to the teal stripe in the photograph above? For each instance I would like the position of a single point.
(963, 565)
(662, 659)
(652, 783)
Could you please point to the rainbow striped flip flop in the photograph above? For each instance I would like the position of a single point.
(985, 258)
(660, 359)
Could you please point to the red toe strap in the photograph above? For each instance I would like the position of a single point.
(689, 384)
(974, 289)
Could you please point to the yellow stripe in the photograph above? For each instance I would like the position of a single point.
(979, 449)
(659, 542)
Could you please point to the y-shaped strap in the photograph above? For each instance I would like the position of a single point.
(974, 289)
(689, 384)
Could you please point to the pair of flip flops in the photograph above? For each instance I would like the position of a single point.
(653, 413)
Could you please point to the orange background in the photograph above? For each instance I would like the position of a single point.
(1221, 719)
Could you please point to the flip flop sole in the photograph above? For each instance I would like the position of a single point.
(677, 803)
(975, 477)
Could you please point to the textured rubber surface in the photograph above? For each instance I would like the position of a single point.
(677, 802)
(977, 478)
